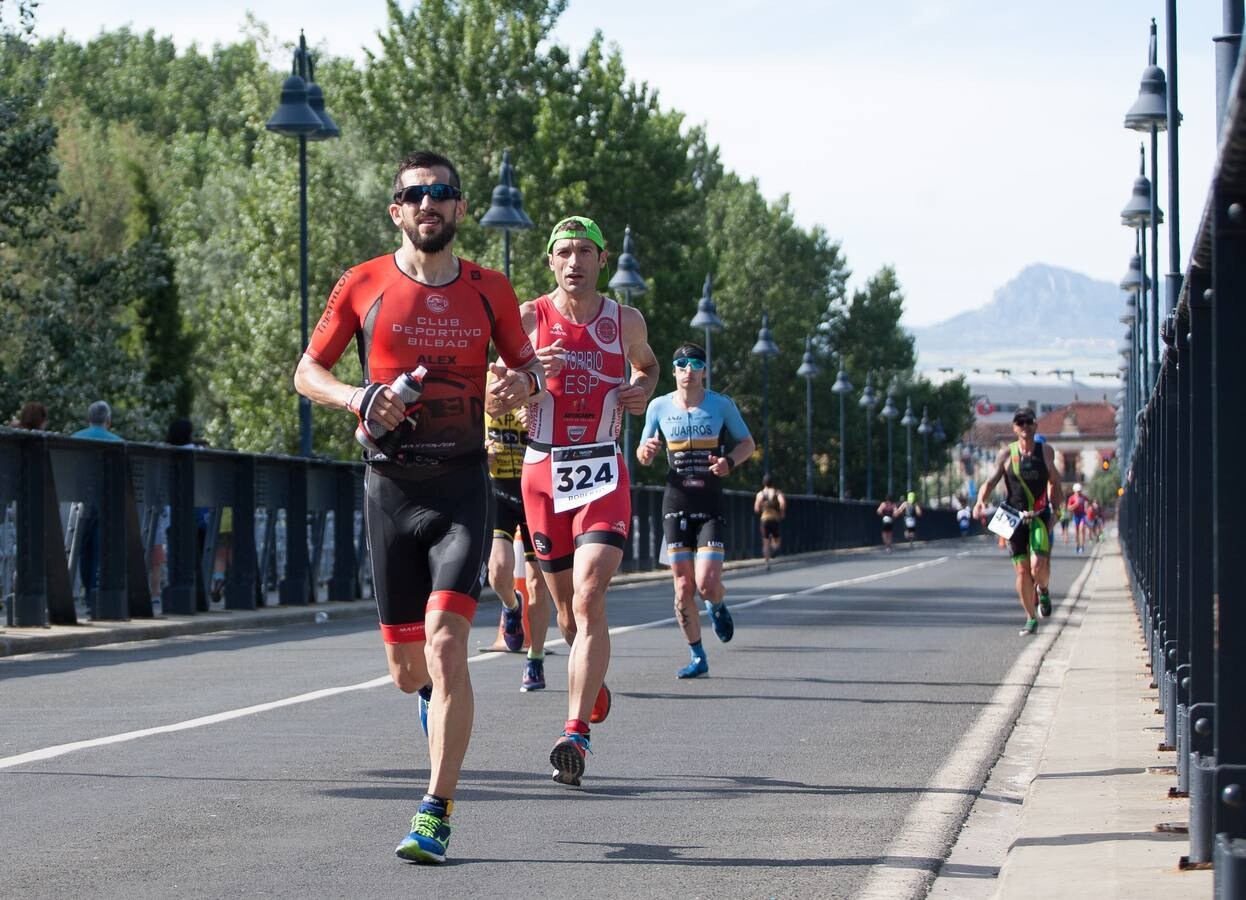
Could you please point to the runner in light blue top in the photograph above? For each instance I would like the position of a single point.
(697, 426)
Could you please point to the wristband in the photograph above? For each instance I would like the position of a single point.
(350, 401)
(370, 394)
(730, 463)
(533, 387)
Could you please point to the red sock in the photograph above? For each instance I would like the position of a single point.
(576, 726)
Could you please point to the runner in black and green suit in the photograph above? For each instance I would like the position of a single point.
(1028, 468)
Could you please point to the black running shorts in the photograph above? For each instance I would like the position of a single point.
(428, 540)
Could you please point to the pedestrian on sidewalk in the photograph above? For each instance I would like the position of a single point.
(1028, 469)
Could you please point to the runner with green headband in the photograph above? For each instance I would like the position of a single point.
(1028, 468)
(576, 491)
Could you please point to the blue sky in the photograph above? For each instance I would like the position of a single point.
(958, 140)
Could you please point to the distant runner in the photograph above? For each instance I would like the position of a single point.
(771, 506)
(506, 438)
(696, 425)
(1029, 472)
(909, 511)
(1078, 504)
(887, 513)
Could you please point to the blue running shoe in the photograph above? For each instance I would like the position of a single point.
(512, 625)
(721, 617)
(698, 666)
(427, 841)
(567, 758)
(426, 697)
(533, 676)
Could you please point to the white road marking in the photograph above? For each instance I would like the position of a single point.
(930, 827)
(47, 753)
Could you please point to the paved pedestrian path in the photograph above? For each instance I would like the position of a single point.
(1095, 785)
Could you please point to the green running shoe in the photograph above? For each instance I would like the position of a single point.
(427, 841)
(1030, 627)
(1044, 603)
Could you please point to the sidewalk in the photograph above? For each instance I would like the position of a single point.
(1088, 818)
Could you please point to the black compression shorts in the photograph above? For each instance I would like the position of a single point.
(692, 521)
(508, 514)
(428, 541)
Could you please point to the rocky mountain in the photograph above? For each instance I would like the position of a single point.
(1044, 318)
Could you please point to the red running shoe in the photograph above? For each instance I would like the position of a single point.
(601, 706)
(567, 758)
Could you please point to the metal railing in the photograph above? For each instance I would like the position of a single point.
(1180, 519)
(158, 517)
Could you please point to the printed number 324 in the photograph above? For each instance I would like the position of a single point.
(567, 477)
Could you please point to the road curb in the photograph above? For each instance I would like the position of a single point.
(22, 641)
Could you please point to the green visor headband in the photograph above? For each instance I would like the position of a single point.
(575, 227)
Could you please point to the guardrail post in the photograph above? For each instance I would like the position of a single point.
(43, 595)
(183, 537)
(1228, 316)
(343, 585)
(1199, 505)
(296, 588)
(242, 578)
(113, 600)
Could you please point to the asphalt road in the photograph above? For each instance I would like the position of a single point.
(787, 772)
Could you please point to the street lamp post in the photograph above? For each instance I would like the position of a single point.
(890, 413)
(808, 369)
(940, 436)
(1134, 284)
(908, 422)
(842, 386)
(867, 402)
(506, 211)
(707, 319)
(924, 430)
(765, 348)
(1141, 213)
(301, 114)
(627, 279)
(1149, 113)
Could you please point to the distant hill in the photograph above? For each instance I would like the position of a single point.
(1044, 318)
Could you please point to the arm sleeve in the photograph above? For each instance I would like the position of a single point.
(734, 421)
(338, 323)
(508, 335)
(652, 415)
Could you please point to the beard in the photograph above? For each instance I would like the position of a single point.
(435, 242)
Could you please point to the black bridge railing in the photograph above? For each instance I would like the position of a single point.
(1181, 520)
(294, 526)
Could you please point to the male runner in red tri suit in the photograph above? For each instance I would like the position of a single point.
(428, 501)
(575, 486)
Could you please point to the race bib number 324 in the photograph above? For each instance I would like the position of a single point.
(582, 474)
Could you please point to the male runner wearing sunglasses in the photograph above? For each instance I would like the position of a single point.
(1027, 467)
(575, 487)
(696, 425)
(428, 503)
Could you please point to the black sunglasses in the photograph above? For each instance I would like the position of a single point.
(415, 193)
